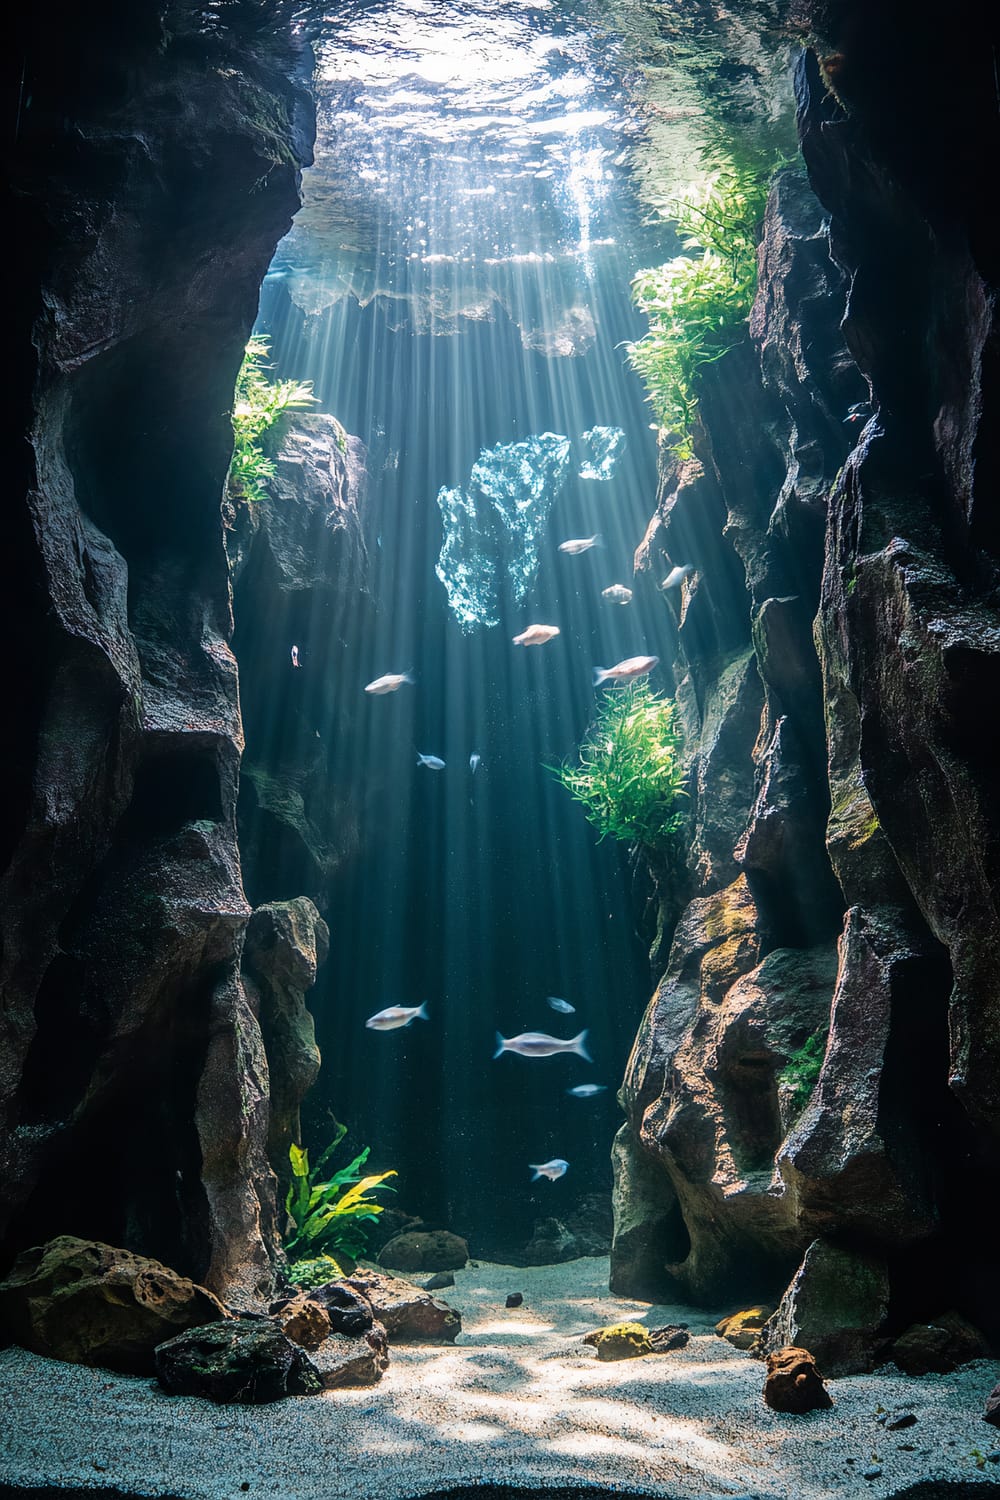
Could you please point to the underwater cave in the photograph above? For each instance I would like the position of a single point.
(500, 922)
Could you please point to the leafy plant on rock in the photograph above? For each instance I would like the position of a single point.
(258, 407)
(630, 773)
(800, 1073)
(698, 303)
(330, 1217)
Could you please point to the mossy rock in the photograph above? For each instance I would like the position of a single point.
(621, 1341)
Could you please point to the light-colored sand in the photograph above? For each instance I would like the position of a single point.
(518, 1401)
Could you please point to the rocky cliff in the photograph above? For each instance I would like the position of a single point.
(156, 166)
(838, 652)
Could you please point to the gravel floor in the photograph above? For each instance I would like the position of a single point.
(519, 1402)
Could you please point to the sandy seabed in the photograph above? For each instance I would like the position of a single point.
(519, 1401)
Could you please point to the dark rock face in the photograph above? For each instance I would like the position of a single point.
(286, 942)
(248, 1361)
(91, 1304)
(938, 1347)
(133, 1079)
(299, 569)
(834, 1307)
(837, 665)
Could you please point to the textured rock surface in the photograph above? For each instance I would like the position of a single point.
(742, 1329)
(244, 1360)
(835, 1307)
(285, 944)
(620, 1341)
(794, 1384)
(302, 1319)
(425, 1250)
(837, 663)
(133, 1081)
(344, 1361)
(410, 1316)
(299, 564)
(91, 1304)
(938, 1347)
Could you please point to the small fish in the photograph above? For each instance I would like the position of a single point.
(539, 1044)
(618, 594)
(432, 762)
(563, 1006)
(395, 1016)
(536, 635)
(390, 683)
(474, 760)
(859, 412)
(624, 671)
(676, 576)
(295, 657)
(587, 1090)
(581, 544)
(551, 1169)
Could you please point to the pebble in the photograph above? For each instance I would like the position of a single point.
(873, 1472)
(514, 1300)
(904, 1419)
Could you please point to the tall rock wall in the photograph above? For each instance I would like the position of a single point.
(838, 651)
(156, 166)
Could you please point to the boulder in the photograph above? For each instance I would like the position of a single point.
(991, 1411)
(341, 1360)
(793, 1382)
(91, 1304)
(938, 1347)
(621, 1341)
(438, 1282)
(302, 1319)
(410, 1315)
(834, 1306)
(347, 1308)
(244, 1360)
(425, 1250)
(665, 1340)
(551, 1243)
(742, 1329)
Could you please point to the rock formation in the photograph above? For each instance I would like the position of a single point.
(133, 1078)
(838, 650)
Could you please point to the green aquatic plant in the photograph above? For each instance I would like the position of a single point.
(802, 1070)
(330, 1217)
(698, 303)
(630, 773)
(258, 406)
(317, 1270)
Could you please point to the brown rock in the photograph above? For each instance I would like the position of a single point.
(347, 1308)
(303, 1320)
(938, 1347)
(991, 1412)
(425, 1250)
(410, 1315)
(793, 1382)
(342, 1360)
(91, 1304)
(741, 1329)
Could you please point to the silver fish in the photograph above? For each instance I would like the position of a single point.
(295, 657)
(551, 1169)
(539, 1044)
(618, 594)
(563, 1006)
(390, 683)
(581, 544)
(676, 576)
(536, 635)
(395, 1016)
(624, 671)
(432, 762)
(474, 760)
(587, 1090)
